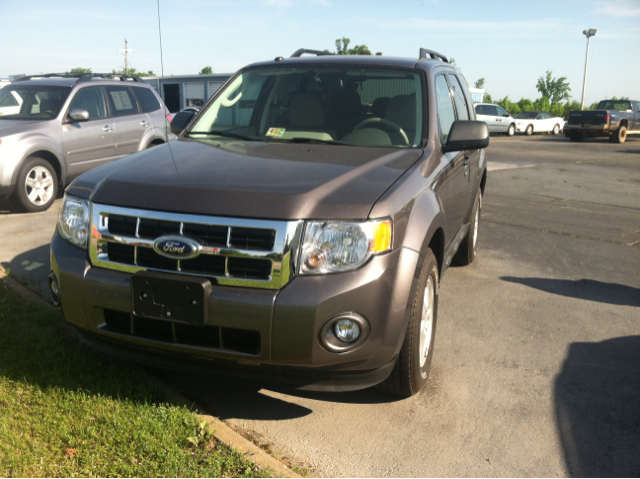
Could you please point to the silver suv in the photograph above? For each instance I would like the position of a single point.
(54, 129)
(497, 118)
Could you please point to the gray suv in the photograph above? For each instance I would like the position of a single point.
(54, 128)
(296, 231)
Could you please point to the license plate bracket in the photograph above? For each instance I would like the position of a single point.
(170, 297)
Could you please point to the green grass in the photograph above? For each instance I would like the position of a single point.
(67, 411)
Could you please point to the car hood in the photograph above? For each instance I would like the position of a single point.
(11, 127)
(249, 179)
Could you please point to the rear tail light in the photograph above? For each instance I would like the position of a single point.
(607, 118)
(169, 117)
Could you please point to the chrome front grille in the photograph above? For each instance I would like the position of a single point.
(237, 252)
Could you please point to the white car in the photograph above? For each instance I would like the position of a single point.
(529, 122)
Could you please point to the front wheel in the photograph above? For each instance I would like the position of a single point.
(411, 370)
(529, 130)
(511, 130)
(556, 129)
(37, 185)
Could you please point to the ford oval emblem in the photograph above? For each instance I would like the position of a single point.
(177, 247)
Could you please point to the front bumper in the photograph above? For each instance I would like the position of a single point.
(287, 321)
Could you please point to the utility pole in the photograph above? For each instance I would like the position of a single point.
(588, 33)
(126, 56)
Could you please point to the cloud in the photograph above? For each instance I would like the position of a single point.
(617, 9)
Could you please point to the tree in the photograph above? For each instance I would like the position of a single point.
(342, 48)
(133, 72)
(79, 71)
(206, 71)
(553, 89)
(479, 84)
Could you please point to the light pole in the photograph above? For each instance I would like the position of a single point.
(588, 33)
(126, 56)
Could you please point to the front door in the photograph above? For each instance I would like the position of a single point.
(88, 144)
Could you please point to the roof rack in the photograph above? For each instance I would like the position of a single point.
(81, 77)
(301, 51)
(433, 55)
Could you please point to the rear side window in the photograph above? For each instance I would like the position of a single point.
(446, 114)
(146, 98)
(121, 101)
(458, 97)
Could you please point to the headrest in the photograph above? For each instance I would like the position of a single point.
(402, 111)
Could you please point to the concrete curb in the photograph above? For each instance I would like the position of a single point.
(219, 429)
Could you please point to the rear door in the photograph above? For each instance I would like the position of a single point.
(88, 144)
(131, 123)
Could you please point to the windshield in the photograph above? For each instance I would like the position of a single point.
(337, 105)
(32, 102)
(527, 115)
(614, 105)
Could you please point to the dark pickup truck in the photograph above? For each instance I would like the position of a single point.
(296, 231)
(613, 118)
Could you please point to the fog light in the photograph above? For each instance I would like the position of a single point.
(347, 330)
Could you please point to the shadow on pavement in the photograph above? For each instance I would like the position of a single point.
(597, 404)
(32, 267)
(588, 289)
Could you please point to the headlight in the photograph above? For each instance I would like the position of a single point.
(74, 220)
(331, 247)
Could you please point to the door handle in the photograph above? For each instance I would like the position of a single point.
(107, 128)
(144, 123)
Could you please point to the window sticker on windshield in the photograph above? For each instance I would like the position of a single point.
(275, 132)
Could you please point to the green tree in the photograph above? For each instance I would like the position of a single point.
(554, 89)
(79, 71)
(206, 71)
(342, 48)
(479, 83)
(134, 72)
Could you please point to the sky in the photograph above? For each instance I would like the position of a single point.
(509, 43)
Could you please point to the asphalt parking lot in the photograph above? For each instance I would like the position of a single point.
(537, 359)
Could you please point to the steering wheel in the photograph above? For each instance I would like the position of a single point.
(378, 122)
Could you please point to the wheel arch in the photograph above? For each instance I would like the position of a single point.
(46, 155)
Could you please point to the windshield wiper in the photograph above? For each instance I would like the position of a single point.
(309, 140)
(228, 134)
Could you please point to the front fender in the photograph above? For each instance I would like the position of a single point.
(32, 146)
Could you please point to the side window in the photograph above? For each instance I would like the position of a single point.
(458, 97)
(146, 98)
(121, 101)
(9, 100)
(446, 114)
(502, 112)
(492, 110)
(91, 100)
(479, 109)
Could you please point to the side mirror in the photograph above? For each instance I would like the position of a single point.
(467, 135)
(79, 115)
(181, 121)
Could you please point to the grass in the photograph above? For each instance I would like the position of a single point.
(66, 411)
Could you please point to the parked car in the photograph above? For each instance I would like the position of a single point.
(612, 118)
(498, 119)
(55, 127)
(296, 231)
(530, 122)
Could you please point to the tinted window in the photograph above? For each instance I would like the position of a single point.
(147, 99)
(502, 112)
(121, 101)
(446, 115)
(458, 97)
(91, 100)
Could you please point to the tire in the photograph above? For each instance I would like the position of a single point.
(37, 185)
(529, 130)
(577, 136)
(468, 247)
(511, 130)
(411, 370)
(620, 135)
(556, 130)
